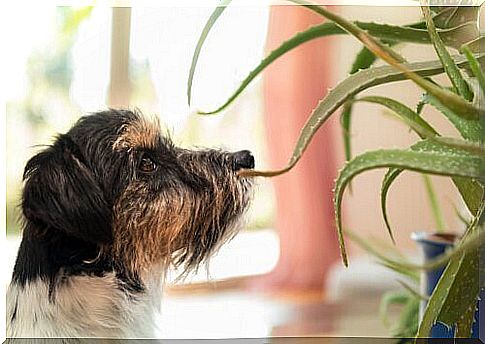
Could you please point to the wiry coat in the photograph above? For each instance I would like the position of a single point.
(107, 209)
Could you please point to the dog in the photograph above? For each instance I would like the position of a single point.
(107, 209)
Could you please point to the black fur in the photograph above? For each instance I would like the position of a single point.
(71, 187)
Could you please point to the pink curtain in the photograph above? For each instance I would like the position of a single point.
(305, 219)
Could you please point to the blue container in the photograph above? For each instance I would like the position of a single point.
(434, 245)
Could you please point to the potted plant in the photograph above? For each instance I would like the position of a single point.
(454, 298)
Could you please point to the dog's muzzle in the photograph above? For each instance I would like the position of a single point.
(243, 159)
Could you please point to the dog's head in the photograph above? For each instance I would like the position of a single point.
(114, 182)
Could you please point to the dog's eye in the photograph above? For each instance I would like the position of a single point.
(147, 165)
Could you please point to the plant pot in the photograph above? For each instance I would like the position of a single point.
(434, 245)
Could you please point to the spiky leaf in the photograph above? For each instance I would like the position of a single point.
(427, 156)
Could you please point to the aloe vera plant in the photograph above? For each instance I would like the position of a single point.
(461, 158)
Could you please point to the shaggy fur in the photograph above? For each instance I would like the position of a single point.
(108, 208)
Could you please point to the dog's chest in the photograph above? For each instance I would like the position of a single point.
(81, 306)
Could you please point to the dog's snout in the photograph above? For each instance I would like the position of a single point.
(243, 159)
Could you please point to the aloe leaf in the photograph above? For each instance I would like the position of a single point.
(345, 120)
(435, 207)
(389, 178)
(406, 34)
(411, 118)
(471, 191)
(427, 157)
(322, 30)
(205, 31)
(450, 99)
(468, 129)
(344, 91)
(465, 324)
(458, 288)
(364, 59)
(401, 265)
(391, 298)
(408, 321)
(388, 32)
(451, 69)
(475, 67)
(317, 31)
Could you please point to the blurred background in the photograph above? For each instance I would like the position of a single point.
(70, 61)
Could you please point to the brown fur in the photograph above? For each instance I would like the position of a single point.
(179, 225)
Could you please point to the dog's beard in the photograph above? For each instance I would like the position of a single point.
(186, 222)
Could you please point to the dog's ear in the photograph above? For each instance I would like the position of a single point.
(61, 192)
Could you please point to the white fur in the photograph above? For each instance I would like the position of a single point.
(83, 306)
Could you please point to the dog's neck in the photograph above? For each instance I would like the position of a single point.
(57, 290)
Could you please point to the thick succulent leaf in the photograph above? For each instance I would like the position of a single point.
(317, 31)
(465, 324)
(344, 91)
(434, 204)
(451, 100)
(407, 325)
(364, 60)
(389, 178)
(205, 31)
(468, 129)
(427, 157)
(345, 121)
(408, 116)
(406, 34)
(475, 67)
(398, 264)
(458, 288)
(391, 298)
(471, 191)
(451, 69)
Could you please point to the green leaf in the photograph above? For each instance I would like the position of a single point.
(411, 118)
(364, 59)
(468, 129)
(370, 42)
(408, 321)
(451, 69)
(389, 178)
(391, 298)
(475, 67)
(399, 264)
(427, 157)
(205, 31)
(322, 30)
(346, 120)
(471, 191)
(344, 91)
(458, 288)
(465, 323)
(435, 207)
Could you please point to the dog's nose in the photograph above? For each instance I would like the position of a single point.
(243, 159)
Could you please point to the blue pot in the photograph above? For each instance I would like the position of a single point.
(434, 245)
